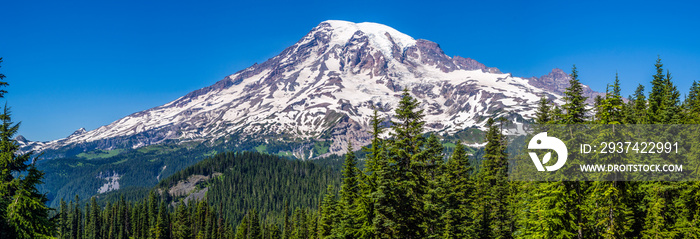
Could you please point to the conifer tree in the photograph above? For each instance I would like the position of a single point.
(162, 223)
(459, 195)
(543, 114)
(692, 104)
(407, 131)
(431, 168)
(23, 210)
(640, 106)
(611, 108)
(254, 231)
(575, 106)
(656, 96)
(403, 206)
(670, 109)
(557, 115)
(94, 228)
(286, 227)
(328, 221)
(610, 213)
(63, 231)
(375, 155)
(76, 218)
(349, 192)
(242, 229)
(181, 227)
(493, 217)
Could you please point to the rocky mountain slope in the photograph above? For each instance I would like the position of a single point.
(325, 87)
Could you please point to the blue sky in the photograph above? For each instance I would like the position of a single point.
(73, 64)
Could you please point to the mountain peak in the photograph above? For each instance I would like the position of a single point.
(21, 139)
(79, 132)
(325, 87)
(381, 35)
(557, 81)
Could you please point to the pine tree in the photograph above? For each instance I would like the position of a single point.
(610, 109)
(493, 217)
(611, 215)
(254, 230)
(543, 114)
(407, 131)
(640, 106)
(286, 227)
(76, 218)
(329, 216)
(557, 115)
(162, 223)
(63, 231)
(670, 109)
(375, 155)
(23, 210)
(384, 197)
(431, 168)
(93, 228)
(692, 104)
(181, 227)
(575, 106)
(349, 192)
(656, 96)
(401, 205)
(459, 195)
(242, 229)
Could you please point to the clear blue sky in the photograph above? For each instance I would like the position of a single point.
(73, 64)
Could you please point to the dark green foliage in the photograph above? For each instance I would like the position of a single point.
(493, 218)
(575, 106)
(639, 112)
(408, 189)
(23, 209)
(459, 189)
(349, 196)
(543, 115)
(398, 201)
(261, 182)
(692, 104)
(131, 220)
(656, 96)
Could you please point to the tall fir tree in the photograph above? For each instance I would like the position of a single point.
(611, 214)
(492, 216)
(543, 115)
(459, 195)
(254, 231)
(691, 105)
(656, 96)
(23, 210)
(329, 220)
(575, 102)
(431, 168)
(640, 106)
(182, 226)
(375, 155)
(399, 201)
(349, 194)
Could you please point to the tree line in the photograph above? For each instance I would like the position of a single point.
(408, 188)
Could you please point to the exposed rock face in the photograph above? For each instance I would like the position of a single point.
(325, 87)
(557, 81)
(111, 184)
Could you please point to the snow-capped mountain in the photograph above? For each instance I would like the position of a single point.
(325, 87)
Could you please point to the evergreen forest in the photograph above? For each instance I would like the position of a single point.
(407, 185)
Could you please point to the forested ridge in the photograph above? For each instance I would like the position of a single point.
(409, 187)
